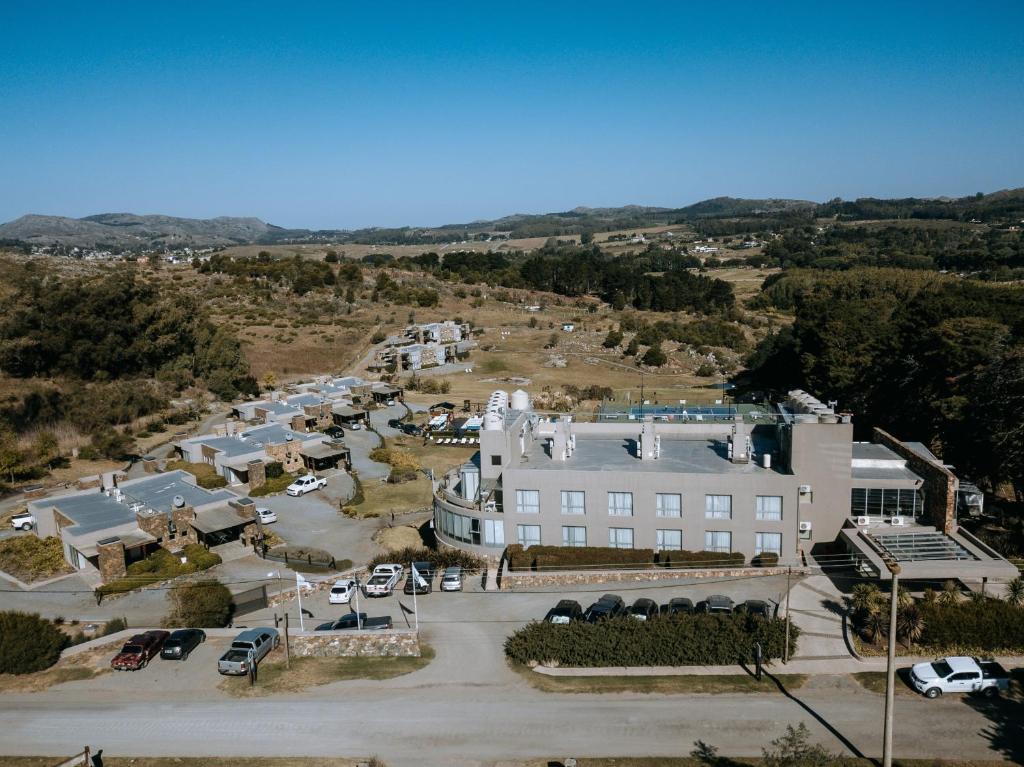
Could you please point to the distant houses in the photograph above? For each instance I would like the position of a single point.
(425, 346)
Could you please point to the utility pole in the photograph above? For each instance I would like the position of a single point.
(890, 668)
(789, 575)
(287, 645)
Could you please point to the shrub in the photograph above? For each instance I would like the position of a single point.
(162, 565)
(439, 558)
(990, 625)
(765, 559)
(580, 557)
(273, 485)
(28, 643)
(273, 470)
(203, 604)
(30, 558)
(685, 640)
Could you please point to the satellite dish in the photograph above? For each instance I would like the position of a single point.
(288, 437)
(178, 501)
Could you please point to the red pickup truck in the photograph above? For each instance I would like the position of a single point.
(139, 650)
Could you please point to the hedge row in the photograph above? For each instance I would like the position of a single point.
(439, 558)
(579, 557)
(989, 625)
(684, 640)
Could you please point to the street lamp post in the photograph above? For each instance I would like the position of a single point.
(890, 668)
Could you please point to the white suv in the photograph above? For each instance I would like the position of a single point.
(342, 591)
(23, 520)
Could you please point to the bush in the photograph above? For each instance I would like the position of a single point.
(274, 485)
(31, 559)
(988, 625)
(206, 476)
(203, 604)
(580, 557)
(273, 470)
(439, 558)
(765, 559)
(685, 640)
(28, 643)
(162, 565)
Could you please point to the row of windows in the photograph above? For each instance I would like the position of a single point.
(467, 529)
(669, 505)
(665, 540)
(873, 501)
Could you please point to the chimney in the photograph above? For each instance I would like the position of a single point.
(740, 445)
(648, 444)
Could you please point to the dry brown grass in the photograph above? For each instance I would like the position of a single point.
(382, 499)
(29, 558)
(79, 468)
(400, 537)
(660, 685)
(86, 665)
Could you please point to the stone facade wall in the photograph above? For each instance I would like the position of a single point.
(257, 474)
(88, 483)
(111, 561)
(154, 524)
(34, 493)
(182, 519)
(150, 464)
(298, 423)
(287, 453)
(326, 644)
(511, 581)
(940, 484)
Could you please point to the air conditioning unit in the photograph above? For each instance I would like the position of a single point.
(805, 489)
(805, 527)
(898, 521)
(863, 521)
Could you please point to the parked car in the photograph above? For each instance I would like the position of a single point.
(389, 569)
(677, 606)
(417, 581)
(566, 611)
(381, 585)
(334, 432)
(756, 607)
(412, 429)
(391, 403)
(139, 650)
(252, 645)
(342, 591)
(716, 603)
(23, 520)
(425, 569)
(306, 484)
(644, 609)
(356, 621)
(265, 515)
(608, 606)
(452, 579)
(959, 674)
(395, 423)
(355, 426)
(182, 642)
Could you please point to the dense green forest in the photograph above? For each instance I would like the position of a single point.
(928, 356)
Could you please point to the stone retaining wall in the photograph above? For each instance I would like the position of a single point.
(512, 581)
(327, 644)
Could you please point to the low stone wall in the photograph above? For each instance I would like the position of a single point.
(525, 581)
(328, 644)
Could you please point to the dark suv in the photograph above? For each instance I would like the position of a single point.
(644, 609)
(566, 611)
(677, 606)
(608, 606)
(757, 607)
(716, 603)
(181, 642)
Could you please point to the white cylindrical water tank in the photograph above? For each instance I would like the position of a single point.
(766, 460)
(493, 421)
(520, 400)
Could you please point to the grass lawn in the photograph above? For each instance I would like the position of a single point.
(29, 558)
(87, 665)
(206, 476)
(662, 685)
(381, 498)
(874, 681)
(400, 537)
(274, 678)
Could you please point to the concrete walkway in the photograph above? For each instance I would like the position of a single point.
(817, 607)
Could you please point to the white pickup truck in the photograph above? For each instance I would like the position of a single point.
(383, 580)
(959, 674)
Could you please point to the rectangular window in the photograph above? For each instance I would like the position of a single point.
(620, 505)
(620, 537)
(574, 536)
(495, 460)
(769, 507)
(718, 541)
(768, 543)
(718, 506)
(528, 501)
(572, 502)
(668, 505)
(668, 540)
(494, 532)
(874, 506)
(858, 502)
(528, 535)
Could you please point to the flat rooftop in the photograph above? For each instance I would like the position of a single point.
(686, 456)
(612, 412)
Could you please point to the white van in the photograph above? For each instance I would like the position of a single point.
(342, 591)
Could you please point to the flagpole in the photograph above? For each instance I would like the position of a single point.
(415, 588)
(298, 592)
(359, 623)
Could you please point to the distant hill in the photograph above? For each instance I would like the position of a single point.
(127, 230)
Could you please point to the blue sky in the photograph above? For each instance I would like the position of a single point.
(344, 114)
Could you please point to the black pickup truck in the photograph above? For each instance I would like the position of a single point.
(357, 621)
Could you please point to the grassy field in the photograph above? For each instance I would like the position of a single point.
(661, 685)
(86, 665)
(381, 499)
(304, 673)
(29, 558)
